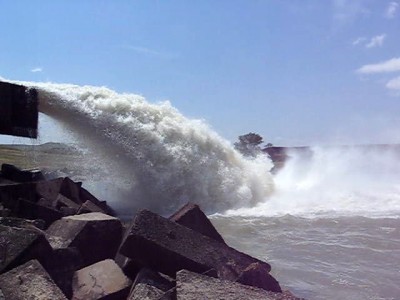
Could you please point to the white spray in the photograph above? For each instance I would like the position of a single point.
(164, 158)
(328, 181)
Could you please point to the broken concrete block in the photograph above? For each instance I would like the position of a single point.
(49, 189)
(19, 113)
(256, 275)
(193, 286)
(61, 265)
(86, 195)
(151, 285)
(71, 190)
(191, 216)
(168, 247)
(18, 245)
(22, 223)
(29, 281)
(31, 210)
(97, 236)
(15, 174)
(102, 280)
(88, 207)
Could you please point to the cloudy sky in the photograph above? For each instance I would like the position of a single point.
(296, 72)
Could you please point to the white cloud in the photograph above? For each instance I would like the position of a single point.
(394, 84)
(345, 12)
(37, 70)
(391, 65)
(376, 41)
(149, 52)
(391, 10)
(359, 40)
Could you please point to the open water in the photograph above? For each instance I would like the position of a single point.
(328, 223)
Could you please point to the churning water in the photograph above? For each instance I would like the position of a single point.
(328, 222)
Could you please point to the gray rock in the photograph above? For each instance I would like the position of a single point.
(29, 281)
(191, 216)
(18, 246)
(97, 236)
(22, 223)
(102, 280)
(193, 286)
(168, 247)
(151, 285)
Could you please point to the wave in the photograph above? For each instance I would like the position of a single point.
(330, 181)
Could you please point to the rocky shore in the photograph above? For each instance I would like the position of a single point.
(57, 241)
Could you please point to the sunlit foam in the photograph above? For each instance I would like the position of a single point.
(150, 156)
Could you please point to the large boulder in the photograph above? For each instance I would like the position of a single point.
(18, 245)
(168, 247)
(191, 216)
(193, 286)
(150, 285)
(97, 236)
(29, 281)
(102, 280)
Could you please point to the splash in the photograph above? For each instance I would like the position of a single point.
(156, 157)
(360, 181)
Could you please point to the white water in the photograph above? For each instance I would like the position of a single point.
(335, 181)
(155, 156)
(149, 155)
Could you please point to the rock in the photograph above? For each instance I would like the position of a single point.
(193, 286)
(85, 195)
(151, 285)
(71, 190)
(97, 236)
(102, 280)
(168, 247)
(89, 206)
(22, 223)
(13, 173)
(31, 210)
(19, 113)
(49, 189)
(191, 216)
(18, 245)
(61, 265)
(29, 281)
(256, 275)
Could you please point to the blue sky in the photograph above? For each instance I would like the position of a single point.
(296, 72)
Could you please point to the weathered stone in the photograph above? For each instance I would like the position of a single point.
(11, 193)
(22, 223)
(49, 189)
(68, 211)
(31, 210)
(71, 190)
(97, 236)
(18, 245)
(168, 247)
(255, 275)
(89, 206)
(130, 267)
(13, 173)
(151, 285)
(193, 286)
(19, 113)
(191, 216)
(29, 281)
(102, 280)
(61, 265)
(64, 201)
(86, 195)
